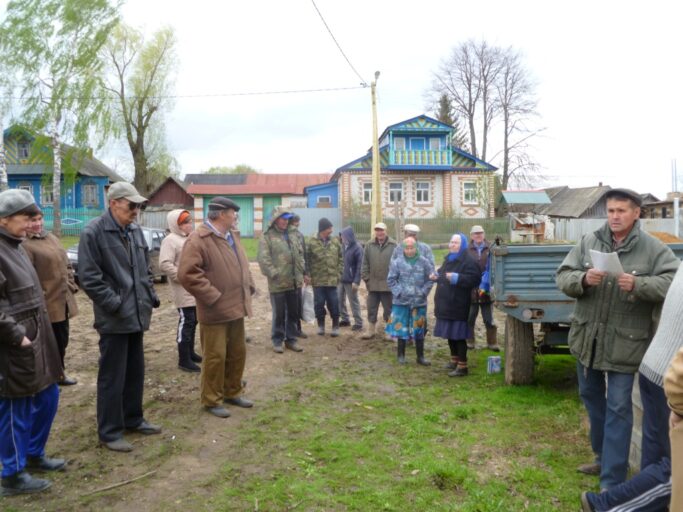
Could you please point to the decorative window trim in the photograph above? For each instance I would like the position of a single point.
(428, 190)
(23, 150)
(366, 186)
(85, 199)
(25, 185)
(469, 202)
(391, 187)
(328, 200)
(402, 141)
(46, 194)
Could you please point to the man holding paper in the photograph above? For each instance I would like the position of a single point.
(618, 293)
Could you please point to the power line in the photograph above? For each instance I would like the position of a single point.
(362, 80)
(216, 95)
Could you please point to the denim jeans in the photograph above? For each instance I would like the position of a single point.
(346, 290)
(326, 295)
(648, 491)
(655, 444)
(611, 420)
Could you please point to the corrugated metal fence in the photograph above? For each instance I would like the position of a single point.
(572, 230)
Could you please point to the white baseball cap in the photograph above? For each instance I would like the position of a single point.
(380, 225)
(411, 228)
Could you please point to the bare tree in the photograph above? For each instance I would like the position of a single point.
(517, 102)
(458, 77)
(491, 88)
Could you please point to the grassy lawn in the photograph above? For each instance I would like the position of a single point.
(367, 434)
(68, 241)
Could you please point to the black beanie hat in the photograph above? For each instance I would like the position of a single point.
(323, 224)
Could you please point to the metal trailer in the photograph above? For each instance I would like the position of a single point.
(523, 286)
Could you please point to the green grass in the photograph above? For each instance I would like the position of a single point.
(367, 434)
(251, 247)
(69, 240)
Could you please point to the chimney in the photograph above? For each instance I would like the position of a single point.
(599, 183)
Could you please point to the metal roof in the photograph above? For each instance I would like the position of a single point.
(573, 202)
(259, 184)
(526, 197)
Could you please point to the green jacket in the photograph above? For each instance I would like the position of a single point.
(375, 268)
(610, 328)
(325, 261)
(281, 258)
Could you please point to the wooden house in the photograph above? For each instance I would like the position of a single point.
(85, 179)
(256, 194)
(421, 173)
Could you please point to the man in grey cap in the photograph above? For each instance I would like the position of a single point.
(114, 272)
(479, 249)
(612, 325)
(30, 366)
(214, 268)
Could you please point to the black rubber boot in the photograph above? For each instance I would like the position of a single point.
(420, 351)
(22, 483)
(185, 363)
(454, 356)
(194, 357)
(401, 350)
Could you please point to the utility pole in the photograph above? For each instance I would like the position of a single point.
(376, 206)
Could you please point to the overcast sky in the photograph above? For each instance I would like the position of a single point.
(609, 74)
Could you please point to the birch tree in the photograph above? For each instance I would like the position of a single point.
(52, 46)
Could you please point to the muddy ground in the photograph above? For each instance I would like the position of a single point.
(194, 445)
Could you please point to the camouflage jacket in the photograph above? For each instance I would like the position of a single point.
(281, 259)
(325, 261)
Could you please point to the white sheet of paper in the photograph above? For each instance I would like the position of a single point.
(607, 262)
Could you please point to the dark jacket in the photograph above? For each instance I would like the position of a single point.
(281, 256)
(28, 370)
(452, 301)
(481, 260)
(611, 329)
(353, 257)
(113, 270)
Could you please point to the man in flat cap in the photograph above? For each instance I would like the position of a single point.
(114, 271)
(413, 231)
(281, 259)
(612, 325)
(30, 366)
(479, 248)
(374, 271)
(214, 268)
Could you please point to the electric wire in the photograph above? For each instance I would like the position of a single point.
(215, 95)
(364, 83)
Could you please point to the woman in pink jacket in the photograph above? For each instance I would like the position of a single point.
(180, 225)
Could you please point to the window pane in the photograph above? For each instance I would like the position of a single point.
(434, 144)
(399, 143)
(469, 192)
(422, 191)
(395, 192)
(367, 193)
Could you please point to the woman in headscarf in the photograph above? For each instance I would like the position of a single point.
(410, 284)
(56, 276)
(455, 280)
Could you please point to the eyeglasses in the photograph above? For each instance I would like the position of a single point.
(136, 206)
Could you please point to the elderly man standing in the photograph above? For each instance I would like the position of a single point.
(479, 249)
(326, 264)
(374, 270)
(30, 367)
(412, 231)
(214, 268)
(613, 324)
(114, 272)
(281, 258)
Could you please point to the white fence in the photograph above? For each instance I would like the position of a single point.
(573, 229)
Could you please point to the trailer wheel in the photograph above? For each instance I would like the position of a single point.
(519, 351)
